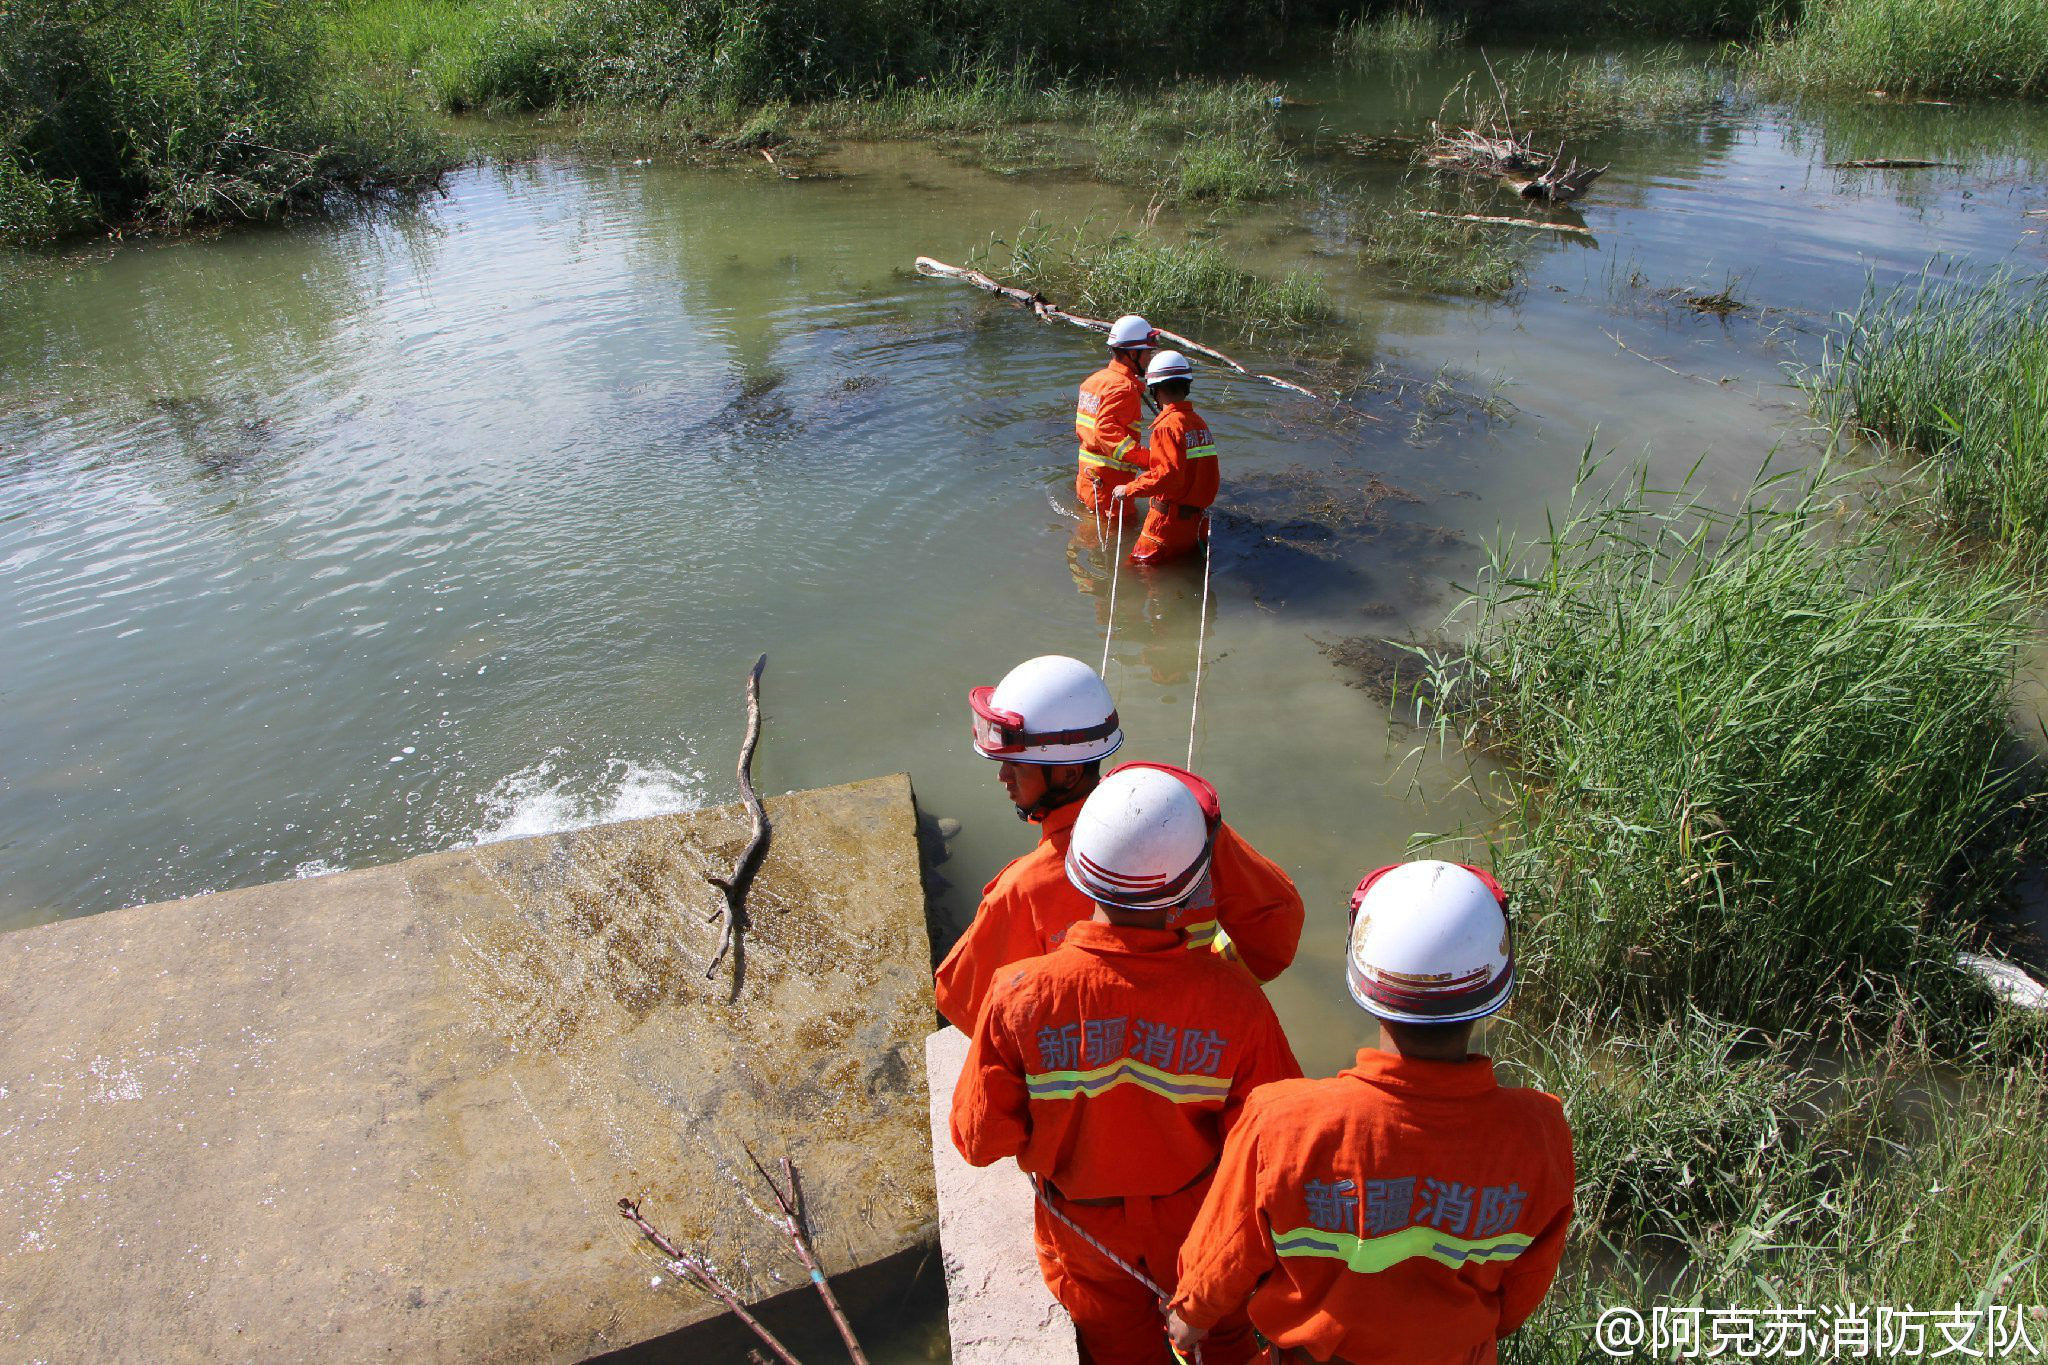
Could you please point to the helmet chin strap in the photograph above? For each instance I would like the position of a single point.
(1053, 798)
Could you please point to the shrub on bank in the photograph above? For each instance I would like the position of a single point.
(182, 111)
(1755, 752)
(1956, 374)
(1954, 47)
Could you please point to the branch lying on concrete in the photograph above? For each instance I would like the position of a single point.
(696, 1270)
(735, 886)
(1046, 311)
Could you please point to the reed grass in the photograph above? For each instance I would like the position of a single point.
(1551, 95)
(1757, 756)
(1440, 255)
(1903, 47)
(1140, 272)
(1365, 39)
(1955, 375)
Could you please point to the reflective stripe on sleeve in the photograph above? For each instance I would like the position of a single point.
(1110, 462)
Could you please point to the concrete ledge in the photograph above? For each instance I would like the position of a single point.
(997, 1305)
(387, 1114)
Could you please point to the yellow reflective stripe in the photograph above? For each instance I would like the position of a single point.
(1082, 419)
(1089, 457)
(1370, 1255)
(1172, 1085)
(1207, 452)
(1204, 934)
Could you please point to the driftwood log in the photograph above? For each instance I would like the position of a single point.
(1529, 223)
(696, 1270)
(734, 908)
(1532, 174)
(1046, 311)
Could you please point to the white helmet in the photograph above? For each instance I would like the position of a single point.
(1047, 710)
(1131, 330)
(1143, 839)
(1429, 944)
(1167, 365)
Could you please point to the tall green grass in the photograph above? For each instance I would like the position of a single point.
(1934, 47)
(1402, 243)
(1138, 272)
(1756, 756)
(1956, 374)
(173, 112)
(1367, 38)
(464, 54)
(1552, 95)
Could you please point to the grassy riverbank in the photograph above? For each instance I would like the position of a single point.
(1955, 376)
(1758, 795)
(1908, 47)
(172, 113)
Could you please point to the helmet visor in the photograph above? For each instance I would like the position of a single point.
(1000, 734)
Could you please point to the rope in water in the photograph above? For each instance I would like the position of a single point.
(1116, 565)
(1201, 640)
(1038, 1187)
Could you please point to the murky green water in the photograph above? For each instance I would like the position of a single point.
(332, 545)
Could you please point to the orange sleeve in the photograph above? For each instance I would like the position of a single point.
(1529, 1275)
(1257, 905)
(1121, 416)
(1229, 1249)
(991, 1116)
(1166, 474)
(1001, 933)
(1270, 1058)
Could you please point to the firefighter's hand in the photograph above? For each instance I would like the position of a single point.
(1185, 1338)
(1120, 492)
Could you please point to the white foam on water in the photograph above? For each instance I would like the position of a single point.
(550, 797)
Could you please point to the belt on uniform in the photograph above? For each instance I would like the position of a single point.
(1295, 1355)
(1182, 510)
(1197, 1178)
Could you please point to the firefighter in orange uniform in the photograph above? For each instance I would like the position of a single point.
(1050, 723)
(1107, 415)
(1113, 1067)
(1409, 1210)
(1183, 477)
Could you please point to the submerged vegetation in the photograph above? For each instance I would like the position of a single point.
(1956, 374)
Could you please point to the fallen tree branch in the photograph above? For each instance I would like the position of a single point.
(1697, 379)
(1892, 163)
(793, 1223)
(696, 1270)
(735, 887)
(1047, 311)
(1529, 223)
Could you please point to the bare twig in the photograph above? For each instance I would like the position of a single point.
(1697, 379)
(1047, 311)
(735, 886)
(797, 1227)
(1506, 118)
(698, 1271)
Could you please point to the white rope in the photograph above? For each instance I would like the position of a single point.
(1115, 569)
(1038, 1186)
(1201, 639)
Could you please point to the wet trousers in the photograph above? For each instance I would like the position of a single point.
(1092, 490)
(1171, 530)
(1118, 1320)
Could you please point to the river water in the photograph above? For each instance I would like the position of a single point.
(329, 545)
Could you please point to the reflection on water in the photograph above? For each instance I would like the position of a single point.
(330, 545)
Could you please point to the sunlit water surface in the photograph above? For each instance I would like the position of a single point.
(327, 546)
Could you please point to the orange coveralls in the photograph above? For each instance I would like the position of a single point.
(1112, 1068)
(1181, 483)
(1106, 420)
(1029, 906)
(1402, 1211)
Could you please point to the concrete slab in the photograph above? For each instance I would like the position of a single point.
(388, 1114)
(997, 1306)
